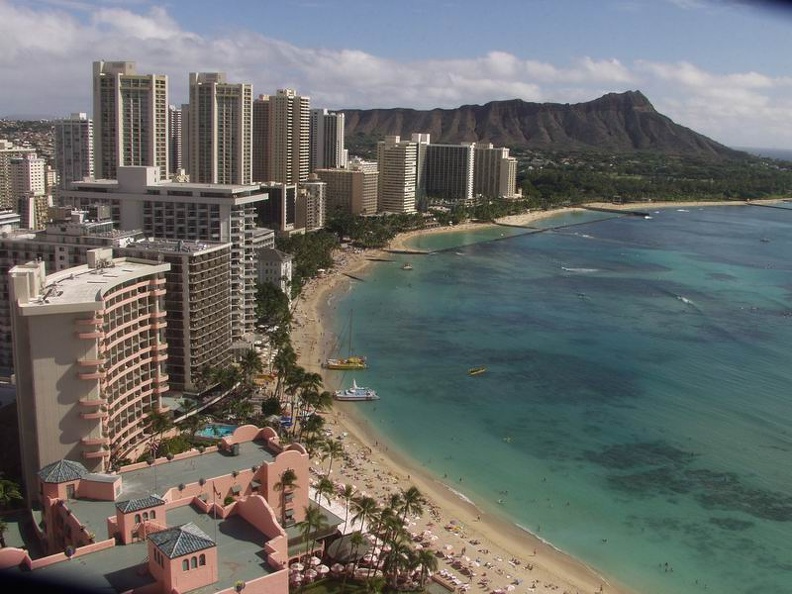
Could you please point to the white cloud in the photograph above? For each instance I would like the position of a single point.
(46, 55)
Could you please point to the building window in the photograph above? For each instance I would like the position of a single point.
(137, 518)
(194, 562)
(153, 514)
(202, 559)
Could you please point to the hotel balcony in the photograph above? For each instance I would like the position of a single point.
(99, 414)
(95, 441)
(157, 357)
(96, 454)
(158, 292)
(92, 375)
(159, 325)
(89, 322)
(90, 362)
(92, 402)
(90, 335)
(161, 389)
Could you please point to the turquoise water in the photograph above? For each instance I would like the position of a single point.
(637, 408)
(216, 431)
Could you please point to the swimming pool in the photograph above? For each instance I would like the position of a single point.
(216, 431)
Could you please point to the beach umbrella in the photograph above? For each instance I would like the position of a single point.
(296, 578)
(297, 566)
(311, 574)
(336, 568)
(315, 561)
(322, 569)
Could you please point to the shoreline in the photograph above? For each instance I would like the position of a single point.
(378, 468)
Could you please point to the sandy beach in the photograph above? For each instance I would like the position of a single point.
(499, 554)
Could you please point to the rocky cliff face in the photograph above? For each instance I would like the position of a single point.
(619, 122)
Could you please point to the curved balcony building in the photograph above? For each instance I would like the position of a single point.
(90, 349)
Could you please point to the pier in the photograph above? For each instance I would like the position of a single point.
(767, 205)
(352, 276)
(635, 213)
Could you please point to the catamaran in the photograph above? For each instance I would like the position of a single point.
(356, 393)
(350, 362)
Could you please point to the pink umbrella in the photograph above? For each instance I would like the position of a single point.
(322, 569)
(297, 566)
(336, 568)
(315, 561)
(311, 574)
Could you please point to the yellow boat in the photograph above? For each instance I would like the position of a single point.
(476, 370)
(352, 362)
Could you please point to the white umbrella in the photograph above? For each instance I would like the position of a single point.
(323, 569)
(297, 566)
(315, 561)
(311, 573)
(336, 568)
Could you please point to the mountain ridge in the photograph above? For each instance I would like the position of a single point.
(621, 122)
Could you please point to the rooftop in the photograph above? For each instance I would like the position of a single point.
(143, 483)
(82, 284)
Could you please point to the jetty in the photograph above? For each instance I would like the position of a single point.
(352, 276)
(767, 205)
(634, 213)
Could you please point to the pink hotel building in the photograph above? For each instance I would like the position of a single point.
(219, 520)
(89, 345)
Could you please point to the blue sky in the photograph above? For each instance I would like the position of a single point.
(720, 67)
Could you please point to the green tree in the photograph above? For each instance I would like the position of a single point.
(9, 493)
(324, 488)
(332, 449)
(313, 522)
(286, 484)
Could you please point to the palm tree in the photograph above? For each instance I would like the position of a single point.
(158, 424)
(366, 510)
(250, 364)
(324, 488)
(347, 493)
(192, 424)
(332, 448)
(9, 492)
(287, 482)
(314, 521)
(3, 529)
(412, 502)
(356, 539)
(428, 562)
(397, 559)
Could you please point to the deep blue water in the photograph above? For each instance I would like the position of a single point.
(637, 408)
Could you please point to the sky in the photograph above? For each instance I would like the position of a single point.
(719, 67)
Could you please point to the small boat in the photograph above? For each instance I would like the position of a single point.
(355, 393)
(407, 266)
(347, 363)
(350, 362)
(476, 370)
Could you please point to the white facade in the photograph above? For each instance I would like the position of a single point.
(130, 119)
(220, 136)
(397, 163)
(327, 140)
(179, 210)
(74, 158)
(275, 267)
(28, 176)
(8, 153)
(282, 138)
(495, 172)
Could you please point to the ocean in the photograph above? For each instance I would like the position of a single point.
(636, 411)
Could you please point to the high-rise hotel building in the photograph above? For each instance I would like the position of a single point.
(281, 148)
(327, 140)
(188, 211)
(90, 349)
(495, 172)
(130, 119)
(220, 124)
(397, 163)
(74, 158)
